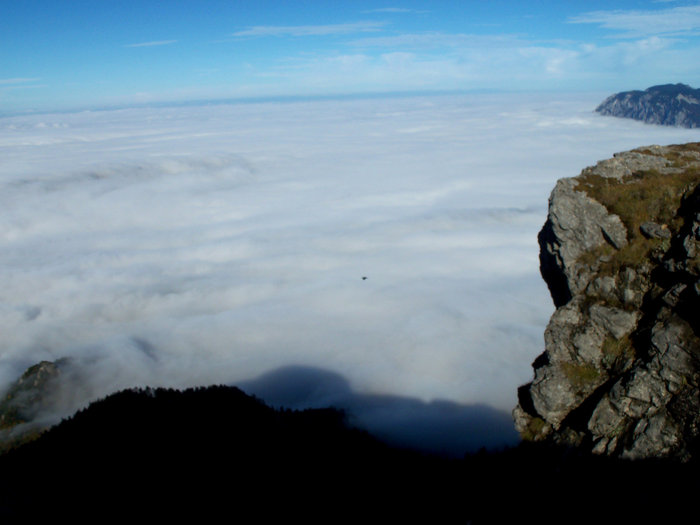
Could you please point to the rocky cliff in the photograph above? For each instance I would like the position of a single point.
(27, 400)
(669, 105)
(32, 392)
(620, 252)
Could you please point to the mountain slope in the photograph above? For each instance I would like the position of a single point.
(207, 454)
(668, 105)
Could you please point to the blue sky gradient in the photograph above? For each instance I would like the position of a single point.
(58, 55)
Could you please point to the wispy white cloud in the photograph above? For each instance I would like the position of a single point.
(211, 244)
(8, 86)
(19, 87)
(312, 30)
(394, 10)
(437, 60)
(436, 39)
(13, 81)
(637, 23)
(153, 43)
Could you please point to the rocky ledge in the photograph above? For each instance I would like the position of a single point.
(620, 252)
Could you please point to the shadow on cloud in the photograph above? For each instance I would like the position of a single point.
(441, 427)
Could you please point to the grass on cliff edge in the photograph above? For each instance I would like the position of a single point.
(641, 197)
(647, 195)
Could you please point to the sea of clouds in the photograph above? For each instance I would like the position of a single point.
(180, 246)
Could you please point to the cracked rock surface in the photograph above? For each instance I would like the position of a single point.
(620, 252)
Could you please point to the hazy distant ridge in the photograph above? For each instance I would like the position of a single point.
(668, 105)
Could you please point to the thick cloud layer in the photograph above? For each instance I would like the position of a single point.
(196, 245)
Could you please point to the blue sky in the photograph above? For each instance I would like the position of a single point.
(59, 54)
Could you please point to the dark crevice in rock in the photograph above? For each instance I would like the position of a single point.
(609, 239)
(579, 417)
(550, 267)
(641, 337)
(688, 307)
(525, 400)
(540, 361)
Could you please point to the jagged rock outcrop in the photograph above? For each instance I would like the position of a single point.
(28, 394)
(620, 252)
(34, 402)
(669, 105)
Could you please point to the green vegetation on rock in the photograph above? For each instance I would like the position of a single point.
(617, 351)
(580, 375)
(642, 196)
(645, 195)
(533, 429)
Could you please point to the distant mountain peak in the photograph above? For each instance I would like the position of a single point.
(666, 104)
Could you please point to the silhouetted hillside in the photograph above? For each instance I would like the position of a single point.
(216, 453)
(438, 427)
(198, 451)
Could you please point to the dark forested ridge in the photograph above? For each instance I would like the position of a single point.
(216, 453)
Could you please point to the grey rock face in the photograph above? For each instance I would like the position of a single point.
(577, 224)
(651, 230)
(668, 105)
(37, 400)
(621, 367)
(27, 394)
